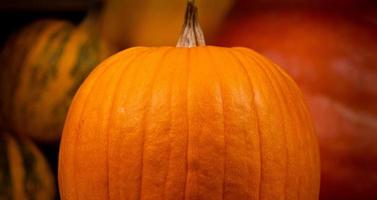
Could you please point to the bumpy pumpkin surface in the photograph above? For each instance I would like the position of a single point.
(333, 57)
(42, 66)
(188, 123)
(24, 173)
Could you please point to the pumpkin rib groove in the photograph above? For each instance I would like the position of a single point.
(63, 150)
(224, 129)
(303, 112)
(272, 72)
(84, 105)
(124, 71)
(242, 67)
(169, 133)
(188, 61)
(146, 111)
(127, 73)
(233, 55)
(284, 81)
(75, 195)
(277, 89)
(305, 116)
(111, 109)
(288, 102)
(247, 74)
(169, 103)
(260, 194)
(279, 92)
(219, 82)
(274, 93)
(186, 123)
(127, 63)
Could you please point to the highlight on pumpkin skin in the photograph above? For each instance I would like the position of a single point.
(188, 123)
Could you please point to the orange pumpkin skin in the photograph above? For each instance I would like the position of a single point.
(333, 58)
(188, 123)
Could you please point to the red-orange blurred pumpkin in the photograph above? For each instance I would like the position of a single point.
(334, 60)
(322, 3)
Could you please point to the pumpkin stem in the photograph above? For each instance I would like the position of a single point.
(192, 35)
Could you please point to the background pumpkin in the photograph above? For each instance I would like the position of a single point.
(320, 3)
(333, 57)
(24, 173)
(42, 66)
(188, 123)
(156, 23)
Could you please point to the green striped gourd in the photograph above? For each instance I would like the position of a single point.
(24, 173)
(42, 67)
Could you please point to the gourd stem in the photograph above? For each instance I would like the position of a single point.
(192, 35)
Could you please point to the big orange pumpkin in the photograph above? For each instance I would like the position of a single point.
(334, 60)
(41, 68)
(202, 122)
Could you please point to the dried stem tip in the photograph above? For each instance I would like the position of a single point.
(192, 35)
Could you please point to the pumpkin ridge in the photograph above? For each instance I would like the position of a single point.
(145, 113)
(247, 74)
(202, 123)
(86, 97)
(304, 116)
(188, 61)
(107, 128)
(148, 104)
(140, 61)
(169, 133)
(273, 77)
(84, 105)
(284, 80)
(123, 72)
(126, 68)
(223, 119)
